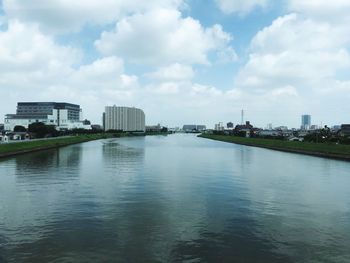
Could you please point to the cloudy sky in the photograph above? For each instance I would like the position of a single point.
(181, 61)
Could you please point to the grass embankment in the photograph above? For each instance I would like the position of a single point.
(16, 148)
(328, 150)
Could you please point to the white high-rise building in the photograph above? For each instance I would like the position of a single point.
(123, 118)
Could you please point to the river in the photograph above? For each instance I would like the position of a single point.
(174, 198)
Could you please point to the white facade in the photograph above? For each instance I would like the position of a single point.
(59, 118)
(124, 118)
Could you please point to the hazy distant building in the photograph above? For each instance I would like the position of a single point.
(2, 127)
(229, 125)
(201, 127)
(193, 128)
(219, 126)
(345, 130)
(281, 128)
(60, 114)
(305, 122)
(123, 118)
(96, 127)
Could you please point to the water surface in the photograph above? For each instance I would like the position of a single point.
(173, 199)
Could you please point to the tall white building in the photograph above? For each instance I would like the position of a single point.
(123, 118)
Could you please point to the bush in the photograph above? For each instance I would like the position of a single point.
(42, 131)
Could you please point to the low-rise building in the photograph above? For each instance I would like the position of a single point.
(4, 138)
(154, 128)
(246, 129)
(345, 130)
(269, 133)
(281, 128)
(193, 128)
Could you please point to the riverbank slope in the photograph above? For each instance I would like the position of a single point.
(11, 149)
(326, 150)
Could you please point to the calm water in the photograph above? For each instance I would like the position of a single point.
(173, 199)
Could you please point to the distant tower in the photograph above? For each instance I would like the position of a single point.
(242, 117)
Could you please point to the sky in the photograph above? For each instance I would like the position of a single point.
(181, 61)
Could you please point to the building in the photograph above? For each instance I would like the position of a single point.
(219, 127)
(65, 116)
(345, 130)
(305, 122)
(2, 127)
(194, 128)
(229, 125)
(154, 128)
(96, 127)
(246, 129)
(4, 138)
(123, 119)
(281, 128)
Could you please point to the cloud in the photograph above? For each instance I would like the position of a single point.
(35, 68)
(61, 16)
(295, 50)
(162, 37)
(25, 48)
(176, 72)
(330, 10)
(296, 60)
(240, 7)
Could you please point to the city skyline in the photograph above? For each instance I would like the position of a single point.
(180, 61)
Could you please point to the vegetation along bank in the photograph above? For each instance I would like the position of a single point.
(15, 148)
(327, 150)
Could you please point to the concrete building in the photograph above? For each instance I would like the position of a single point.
(65, 116)
(305, 122)
(123, 119)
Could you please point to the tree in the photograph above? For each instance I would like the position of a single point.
(19, 128)
(41, 130)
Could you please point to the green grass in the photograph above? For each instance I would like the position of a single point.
(18, 147)
(305, 147)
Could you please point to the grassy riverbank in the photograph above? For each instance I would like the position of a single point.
(11, 149)
(327, 150)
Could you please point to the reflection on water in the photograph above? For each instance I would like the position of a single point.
(176, 198)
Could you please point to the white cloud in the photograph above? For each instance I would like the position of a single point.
(35, 68)
(296, 60)
(240, 7)
(330, 10)
(175, 72)
(65, 15)
(295, 50)
(25, 48)
(162, 36)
